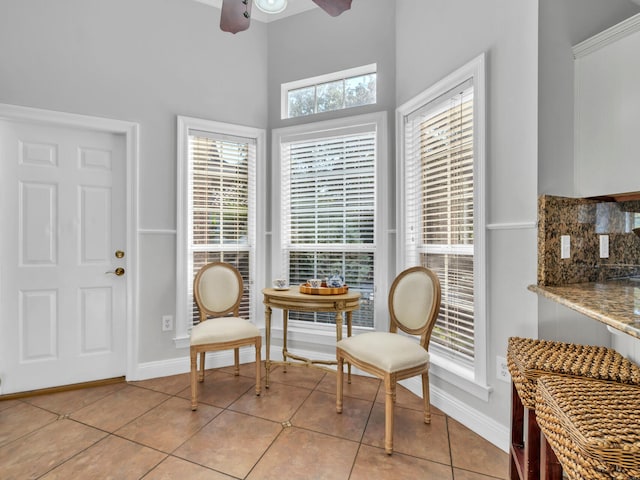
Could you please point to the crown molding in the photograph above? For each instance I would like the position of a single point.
(608, 36)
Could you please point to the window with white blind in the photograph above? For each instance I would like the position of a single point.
(442, 221)
(328, 190)
(218, 212)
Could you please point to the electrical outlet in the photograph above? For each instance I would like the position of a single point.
(167, 323)
(502, 369)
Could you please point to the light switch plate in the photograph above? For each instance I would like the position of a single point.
(565, 246)
(604, 246)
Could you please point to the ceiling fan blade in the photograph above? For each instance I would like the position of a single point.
(333, 7)
(232, 16)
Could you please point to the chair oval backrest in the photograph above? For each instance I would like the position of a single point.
(218, 289)
(414, 301)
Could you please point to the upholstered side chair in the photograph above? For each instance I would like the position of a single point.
(414, 303)
(218, 288)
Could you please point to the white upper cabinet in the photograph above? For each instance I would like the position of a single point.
(607, 111)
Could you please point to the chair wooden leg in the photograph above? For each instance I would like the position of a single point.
(194, 385)
(339, 379)
(425, 396)
(236, 361)
(258, 350)
(201, 371)
(389, 399)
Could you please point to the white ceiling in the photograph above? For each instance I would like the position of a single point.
(293, 7)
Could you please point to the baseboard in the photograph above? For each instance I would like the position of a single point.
(176, 366)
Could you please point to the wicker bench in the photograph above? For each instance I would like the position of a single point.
(592, 427)
(528, 359)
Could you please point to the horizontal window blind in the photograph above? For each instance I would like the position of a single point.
(221, 195)
(328, 212)
(440, 211)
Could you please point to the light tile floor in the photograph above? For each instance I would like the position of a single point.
(291, 432)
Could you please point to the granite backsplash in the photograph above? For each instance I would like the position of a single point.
(584, 220)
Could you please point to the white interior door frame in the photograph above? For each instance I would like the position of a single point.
(131, 132)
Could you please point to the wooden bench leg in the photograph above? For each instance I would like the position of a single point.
(516, 453)
(532, 447)
(550, 467)
(524, 462)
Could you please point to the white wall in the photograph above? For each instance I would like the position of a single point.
(144, 61)
(433, 39)
(314, 43)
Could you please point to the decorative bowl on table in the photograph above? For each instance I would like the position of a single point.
(323, 290)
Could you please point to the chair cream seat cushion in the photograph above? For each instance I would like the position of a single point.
(387, 351)
(218, 330)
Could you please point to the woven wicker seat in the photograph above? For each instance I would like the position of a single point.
(593, 427)
(528, 359)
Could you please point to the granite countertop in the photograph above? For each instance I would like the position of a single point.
(613, 302)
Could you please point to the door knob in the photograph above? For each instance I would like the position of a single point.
(119, 254)
(118, 271)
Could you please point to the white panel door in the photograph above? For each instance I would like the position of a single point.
(62, 215)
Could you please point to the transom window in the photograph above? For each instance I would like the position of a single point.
(334, 91)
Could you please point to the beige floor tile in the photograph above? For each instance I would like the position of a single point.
(411, 435)
(174, 468)
(4, 404)
(115, 410)
(318, 413)
(459, 474)
(297, 375)
(302, 454)
(278, 403)
(168, 425)
(365, 388)
(36, 454)
(246, 370)
(64, 403)
(111, 458)
(471, 452)
(171, 384)
(374, 463)
(231, 443)
(407, 399)
(291, 431)
(221, 389)
(22, 419)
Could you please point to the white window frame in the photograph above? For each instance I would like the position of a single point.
(324, 334)
(285, 88)
(473, 380)
(185, 125)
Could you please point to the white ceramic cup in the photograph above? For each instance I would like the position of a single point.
(280, 283)
(315, 282)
